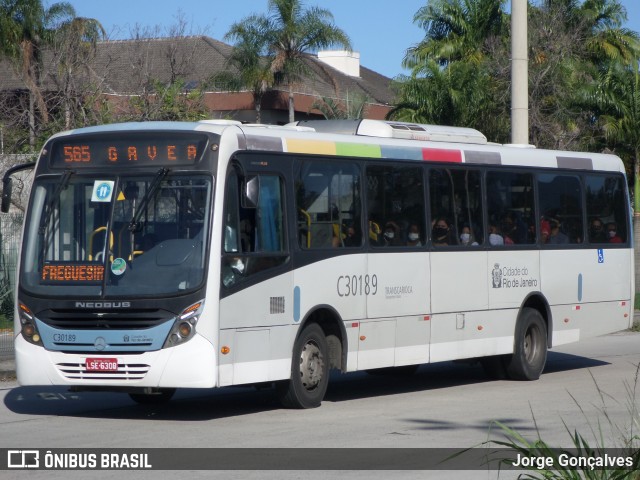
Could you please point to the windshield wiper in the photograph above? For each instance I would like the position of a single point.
(134, 224)
(64, 183)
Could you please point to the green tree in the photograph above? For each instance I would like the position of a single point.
(74, 46)
(26, 26)
(247, 66)
(288, 32)
(570, 43)
(456, 30)
(352, 107)
(453, 79)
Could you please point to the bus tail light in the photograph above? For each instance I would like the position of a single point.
(29, 329)
(184, 327)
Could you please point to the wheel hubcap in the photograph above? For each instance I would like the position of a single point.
(311, 366)
(531, 344)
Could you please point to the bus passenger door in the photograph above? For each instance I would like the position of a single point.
(397, 329)
(256, 284)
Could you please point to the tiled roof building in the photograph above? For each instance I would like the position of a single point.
(127, 68)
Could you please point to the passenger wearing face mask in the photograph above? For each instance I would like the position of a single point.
(413, 237)
(440, 233)
(612, 233)
(466, 238)
(390, 237)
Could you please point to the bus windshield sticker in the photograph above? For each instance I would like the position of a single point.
(118, 266)
(102, 191)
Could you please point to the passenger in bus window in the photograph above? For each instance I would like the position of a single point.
(352, 239)
(495, 239)
(413, 237)
(556, 237)
(508, 230)
(545, 231)
(612, 233)
(596, 232)
(466, 237)
(391, 236)
(440, 232)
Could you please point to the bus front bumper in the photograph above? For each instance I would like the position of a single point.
(191, 365)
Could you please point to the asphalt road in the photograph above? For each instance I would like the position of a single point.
(587, 387)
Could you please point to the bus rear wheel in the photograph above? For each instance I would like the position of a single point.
(530, 347)
(309, 371)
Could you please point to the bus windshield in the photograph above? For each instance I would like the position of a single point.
(118, 236)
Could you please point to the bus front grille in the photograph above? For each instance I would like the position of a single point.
(110, 319)
(78, 371)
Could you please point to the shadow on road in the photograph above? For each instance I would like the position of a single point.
(195, 405)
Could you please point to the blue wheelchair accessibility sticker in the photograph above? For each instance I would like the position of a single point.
(600, 255)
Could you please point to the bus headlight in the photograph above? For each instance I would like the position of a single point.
(29, 329)
(184, 327)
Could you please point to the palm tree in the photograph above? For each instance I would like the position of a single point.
(453, 80)
(288, 32)
(25, 27)
(253, 71)
(456, 30)
(349, 108)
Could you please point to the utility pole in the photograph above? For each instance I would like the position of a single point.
(519, 73)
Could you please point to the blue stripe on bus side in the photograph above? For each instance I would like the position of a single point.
(296, 304)
(579, 287)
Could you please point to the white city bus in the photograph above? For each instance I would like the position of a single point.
(164, 255)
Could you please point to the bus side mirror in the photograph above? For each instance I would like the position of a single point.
(6, 194)
(7, 184)
(251, 192)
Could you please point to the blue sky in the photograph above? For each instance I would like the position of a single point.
(381, 30)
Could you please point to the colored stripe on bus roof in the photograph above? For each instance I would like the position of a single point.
(319, 147)
(442, 155)
(484, 158)
(358, 150)
(348, 149)
(401, 153)
(578, 163)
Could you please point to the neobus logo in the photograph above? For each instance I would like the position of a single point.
(103, 304)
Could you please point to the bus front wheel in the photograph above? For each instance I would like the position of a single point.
(309, 371)
(530, 347)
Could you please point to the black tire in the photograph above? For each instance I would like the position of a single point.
(309, 371)
(530, 347)
(155, 397)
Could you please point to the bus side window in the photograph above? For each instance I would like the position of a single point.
(510, 208)
(328, 205)
(254, 238)
(560, 200)
(607, 207)
(455, 200)
(395, 199)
